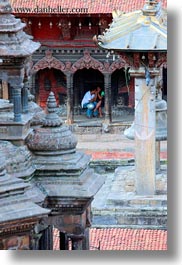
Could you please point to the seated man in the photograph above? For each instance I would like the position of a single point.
(89, 102)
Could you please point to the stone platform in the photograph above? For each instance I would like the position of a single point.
(83, 125)
(116, 204)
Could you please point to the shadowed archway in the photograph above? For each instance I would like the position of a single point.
(85, 79)
(47, 80)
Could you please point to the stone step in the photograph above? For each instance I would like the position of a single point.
(137, 201)
(148, 217)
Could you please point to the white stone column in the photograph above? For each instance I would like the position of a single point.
(145, 126)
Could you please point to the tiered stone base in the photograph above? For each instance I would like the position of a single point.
(117, 204)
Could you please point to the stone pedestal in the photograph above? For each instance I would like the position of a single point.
(16, 132)
(64, 176)
(161, 128)
(18, 214)
(18, 160)
(16, 48)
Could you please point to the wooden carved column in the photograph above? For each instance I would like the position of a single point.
(131, 100)
(107, 88)
(69, 84)
(76, 95)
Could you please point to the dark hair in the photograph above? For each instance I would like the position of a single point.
(92, 89)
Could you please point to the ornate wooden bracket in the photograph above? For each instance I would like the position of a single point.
(48, 61)
(162, 61)
(87, 61)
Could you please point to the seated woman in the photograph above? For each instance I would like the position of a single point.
(89, 102)
(100, 101)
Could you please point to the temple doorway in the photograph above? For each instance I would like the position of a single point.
(83, 81)
(47, 80)
(119, 89)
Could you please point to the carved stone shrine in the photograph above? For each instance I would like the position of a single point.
(16, 49)
(65, 178)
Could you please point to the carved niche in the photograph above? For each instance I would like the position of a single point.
(65, 29)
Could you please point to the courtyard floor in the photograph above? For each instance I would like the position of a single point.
(116, 147)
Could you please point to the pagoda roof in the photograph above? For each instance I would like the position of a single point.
(14, 42)
(142, 30)
(76, 6)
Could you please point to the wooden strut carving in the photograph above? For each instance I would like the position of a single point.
(87, 61)
(48, 61)
(118, 64)
(162, 61)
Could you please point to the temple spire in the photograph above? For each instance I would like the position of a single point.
(5, 7)
(151, 7)
(52, 119)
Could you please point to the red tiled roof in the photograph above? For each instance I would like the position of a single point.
(124, 239)
(94, 6)
(128, 239)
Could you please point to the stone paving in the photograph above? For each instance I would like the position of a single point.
(116, 203)
(105, 234)
(113, 203)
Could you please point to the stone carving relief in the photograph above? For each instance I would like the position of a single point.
(18, 160)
